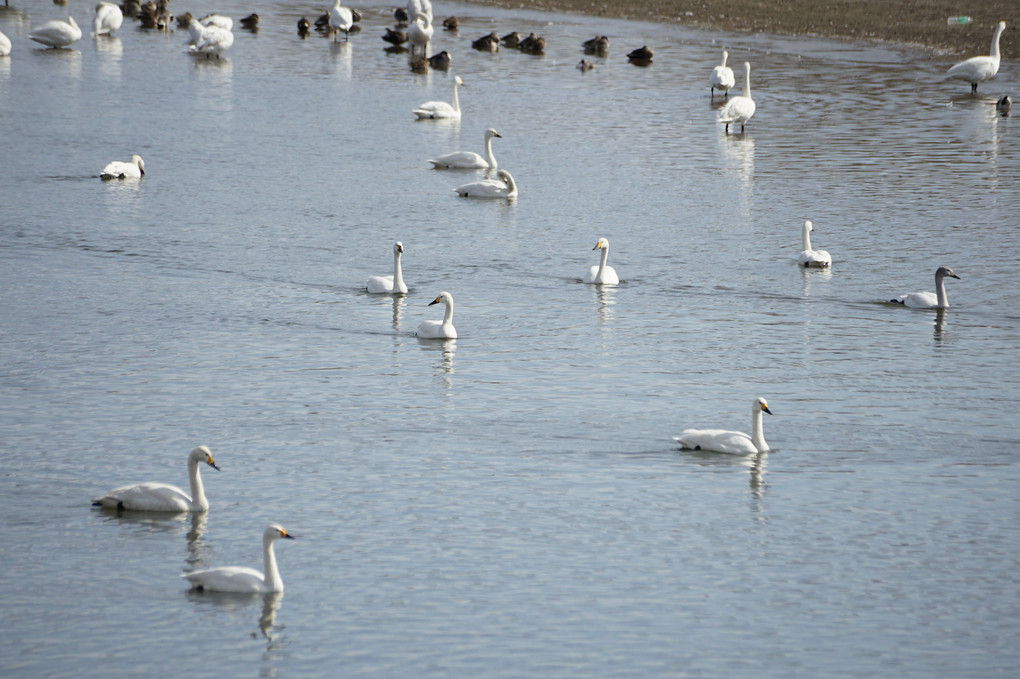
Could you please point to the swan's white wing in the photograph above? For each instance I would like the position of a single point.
(119, 169)
(818, 258)
(592, 272)
(379, 284)
(717, 440)
(227, 579)
(722, 78)
(147, 497)
(460, 160)
(5, 45)
(436, 109)
(737, 110)
(919, 300)
(435, 330)
(975, 69)
(486, 188)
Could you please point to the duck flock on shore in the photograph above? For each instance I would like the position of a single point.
(212, 35)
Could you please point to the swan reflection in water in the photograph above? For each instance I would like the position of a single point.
(398, 310)
(235, 606)
(192, 524)
(605, 295)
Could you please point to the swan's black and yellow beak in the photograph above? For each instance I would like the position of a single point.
(212, 464)
(765, 408)
(437, 300)
(597, 245)
(285, 534)
(497, 134)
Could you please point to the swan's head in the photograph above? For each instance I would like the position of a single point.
(603, 244)
(275, 531)
(725, 56)
(946, 271)
(1000, 27)
(137, 160)
(761, 405)
(747, 67)
(490, 133)
(398, 247)
(808, 226)
(202, 454)
(505, 176)
(457, 80)
(444, 297)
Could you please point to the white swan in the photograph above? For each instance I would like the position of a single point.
(739, 109)
(151, 496)
(809, 257)
(211, 39)
(118, 169)
(5, 45)
(441, 109)
(721, 77)
(439, 329)
(57, 33)
(723, 441)
(423, 7)
(419, 33)
(218, 20)
(979, 69)
(340, 19)
(463, 160)
(503, 187)
(390, 284)
(602, 273)
(108, 19)
(242, 579)
(930, 300)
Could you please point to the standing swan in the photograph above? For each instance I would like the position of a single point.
(739, 109)
(466, 160)
(723, 441)
(57, 33)
(118, 169)
(439, 329)
(979, 69)
(602, 274)
(160, 497)
(108, 19)
(809, 257)
(390, 284)
(241, 579)
(930, 300)
(340, 19)
(722, 77)
(441, 109)
(419, 33)
(503, 187)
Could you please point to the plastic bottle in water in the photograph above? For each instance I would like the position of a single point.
(959, 21)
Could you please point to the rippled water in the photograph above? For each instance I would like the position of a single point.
(510, 503)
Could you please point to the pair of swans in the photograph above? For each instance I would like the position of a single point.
(436, 110)
(930, 300)
(56, 33)
(725, 441)
(602, 273)
(108, 19)
(722, 78)
(979, 69)
(503, 186)
(739, 109)
(809, 257)
(118, 169)
(469, 160)
(389, 285)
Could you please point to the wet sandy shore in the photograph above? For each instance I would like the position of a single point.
(919, 23)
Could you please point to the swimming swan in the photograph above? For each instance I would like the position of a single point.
(108, 19)
(390, 284)
(57, 33)
(809, 257)
(930, 300)
(723, 441)
(503, 187)
(464, 160)
(722, 77)
(340, 19)
(439, 329)
(602, 274)
(979, 69)
(118, 169)
(441, 109)
(739, 109)
(151, 496)
(240, 578)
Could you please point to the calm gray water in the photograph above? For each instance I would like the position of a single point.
(510, 503)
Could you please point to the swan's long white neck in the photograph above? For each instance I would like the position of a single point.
(489, 158)
(940, 291)
(725, 56)
(511, 185)
(456, 102)
(398, 275)
(602, 262)
(757, 432)
(806, 235)
(747, 81)
(198, 498)
(269, 570)
(448, 316)
(995, 43)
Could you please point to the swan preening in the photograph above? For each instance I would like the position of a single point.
(602, 273)
(463, 160)
(439, 329)
(118, 169)
(241, 579)
(441, 109)
(739, 109)
(724, 441)
(211, 36)
(57, 33)
(502, 187)
(722, 77)
(979, 69)
(809, 257)
(930, 300)
(419, 33)
(340, 19)
(160, 497)
(108, 19)
(390, 284)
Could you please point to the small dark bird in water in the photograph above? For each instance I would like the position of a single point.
(585, 65)
(400, 15)
(131, 8)
(394, 37)
(322, 23)
(440, 61)
(1003, 105)
(532, 44)
(419, 65)
(512, 39)
(183, 20)
(641, 54)
(251, 22)
(487, 43)
(303, 26)
(451, 23)
(597, 45)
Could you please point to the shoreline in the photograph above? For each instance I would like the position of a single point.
(921, 24)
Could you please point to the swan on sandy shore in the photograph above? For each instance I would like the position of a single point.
(241, 579)
(118, 169)
(930, 300)
(979, 69)
(602, 273)
(809, 257)
(152, 496)
(56, 33)
(441, 109)
(390, 284)
(722, 77)
(503, 187)
(725, 441)
(439, 329)
(464, 160)
(739, 109)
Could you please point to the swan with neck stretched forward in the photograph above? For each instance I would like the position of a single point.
(739, 109)
(809, 257)
(722, 78)
(979, 69)
(241, 579)
(439, 329)
(390, 284)
(930, 300)
(735, 442)
(160, 497)
(602, 273)
(469, 160)
(57, 33)
(441, 109)
(118, 169)
(503, 186)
